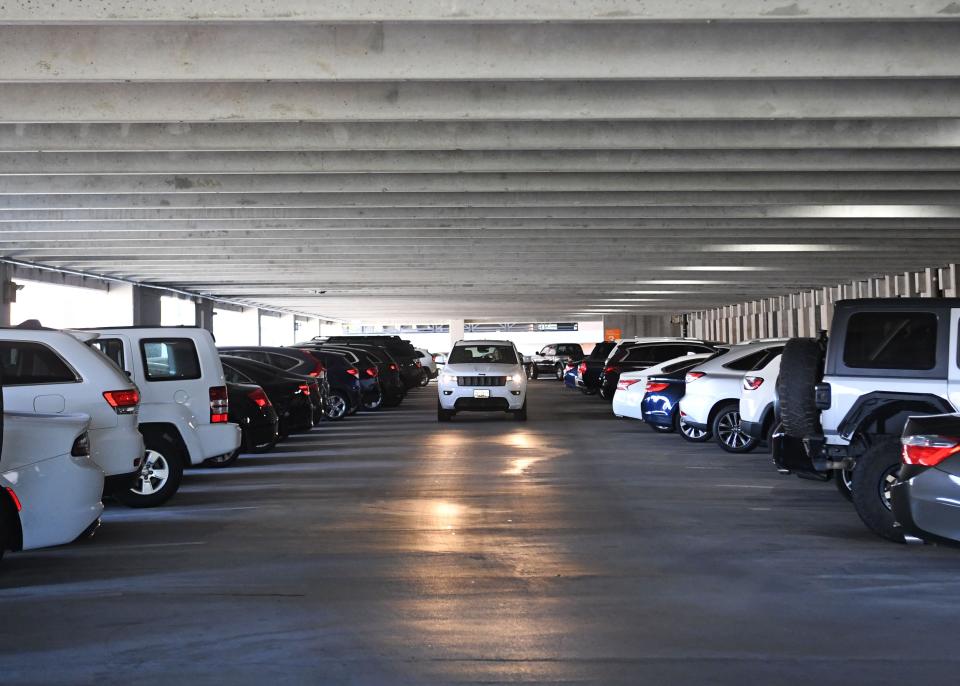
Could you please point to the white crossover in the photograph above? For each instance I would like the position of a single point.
(482, 376)
(757, 415)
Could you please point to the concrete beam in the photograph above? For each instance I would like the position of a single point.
(627, 160)
(479, 182)
(478, 52)
(515, 100)
(487, 135)
(456, 11)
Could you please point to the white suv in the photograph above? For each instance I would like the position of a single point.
(712, 398)
(183, 406)
(51, 372)
(482, 376)
(49, 487)
(757, 401)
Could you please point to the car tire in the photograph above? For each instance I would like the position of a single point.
(801, 368)
(692, 433)
(605, 394)
(875, 471)
(424, 379)
(442, 414)
(843, 480)
(534, 372)
(521, 414)
(661, 429)
(373, 405)
(160, 476)
(728, 433)
(337, 406)
(221, 461)
(558, 370)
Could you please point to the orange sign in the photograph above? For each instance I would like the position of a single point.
(611, 334)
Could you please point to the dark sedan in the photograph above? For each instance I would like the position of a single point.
(344, 380)
(252, 411)
(660, 407)
(289, 394)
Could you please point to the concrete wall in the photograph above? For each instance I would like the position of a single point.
(631, 325)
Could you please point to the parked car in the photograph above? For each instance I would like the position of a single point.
(757, 401)
(344, 380)
(570, 374)
(844, 401)
(482, 376)
(50, 487)
(295, 361)
(388, 371)
(252, 411)
(590, 368)
(184, 413)
(552, 359)
(640, 354)
(369, 367)
(289, 394)
(926, 491)
(428, 363)
(630, 388)
(660, 404)
(402, 351)
(52, 372)
(712, 398)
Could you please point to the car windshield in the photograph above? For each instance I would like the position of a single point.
(495, 354)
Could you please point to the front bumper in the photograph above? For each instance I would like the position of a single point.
(509, 397)
(927, 506)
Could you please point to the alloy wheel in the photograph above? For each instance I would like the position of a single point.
(887, 481)
(337, 407)
(154, 474)
(729, 431)
(691, 431)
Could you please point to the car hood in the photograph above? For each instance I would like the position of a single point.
(480, 369)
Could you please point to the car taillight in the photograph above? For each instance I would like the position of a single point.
(304, 388)
(123, 402)
(417, 364)
(219, 405)
(370, 371)
(693, 376)
(929, 450)
(16, 500)
(656, 386)
(624, 384)
(610, 369)
(393, 367)
(260, 398)
(353, 371)
(582, 368)
(81, 446)
(752, 383)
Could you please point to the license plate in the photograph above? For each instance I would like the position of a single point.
(481, 394)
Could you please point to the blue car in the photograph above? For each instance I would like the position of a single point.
(570, 376)
(660, 407)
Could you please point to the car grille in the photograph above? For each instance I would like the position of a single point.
(481, 381)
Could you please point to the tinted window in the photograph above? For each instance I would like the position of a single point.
(681, 366)
(284, 362)
(112, 348)
(495, 354)
(644, 353)
(256, 355)
(27, 363)
(747, 362)
(601, 350)
(234, 375)
(169, 360)
(891, 340)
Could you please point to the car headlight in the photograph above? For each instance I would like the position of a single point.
(449, 378)
(516, 378)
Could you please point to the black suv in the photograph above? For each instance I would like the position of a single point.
(402, 351)
(553, 359)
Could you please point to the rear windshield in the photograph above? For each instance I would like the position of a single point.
(601, 350)
(682, 365)
(170, 359)
(495, 354)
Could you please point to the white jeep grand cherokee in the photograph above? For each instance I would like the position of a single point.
(482, 376)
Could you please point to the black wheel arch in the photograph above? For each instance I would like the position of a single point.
(165, 430)
(885, 412)
(10, 510)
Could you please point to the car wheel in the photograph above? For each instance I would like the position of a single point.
(559, 372)
(160, 476)
(605, 394)
(337, 407)
(223, 460)
(533, 372)
(728, 432)
(843, 480)
(424, 379)
(442, 414)
(801, 368)
(660, 428)
(373, 404)
(521, 414)
(873, 476)
(692, 433)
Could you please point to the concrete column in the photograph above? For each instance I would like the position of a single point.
(931, 288)
(456, 330)
(146, 306)
(204, 314)
(951, 281)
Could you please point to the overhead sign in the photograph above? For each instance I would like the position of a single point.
(490, 327)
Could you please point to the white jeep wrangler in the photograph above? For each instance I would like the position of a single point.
(844, 401)
(183, 402)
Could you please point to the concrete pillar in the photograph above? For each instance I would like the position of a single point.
(146, 306)
(951, 281)
(931, 287)
(7, 293)
(456, 331)
(204, 312)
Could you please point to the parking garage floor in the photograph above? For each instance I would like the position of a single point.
(574, 548)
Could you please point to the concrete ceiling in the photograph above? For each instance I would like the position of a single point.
(493, 159)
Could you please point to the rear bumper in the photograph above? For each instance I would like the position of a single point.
(117, 483)
(216, 439)
(752, 429)
(926, 506)
(627, 404)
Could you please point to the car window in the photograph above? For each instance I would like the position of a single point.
(26, 363)
(234, 375)
(284, 362)
(891, 340)
(601, 350)
(171, 359)
(112, 348)
(641, 353)
(681, 366)
(489, 354)
(747, 362)
(765, 360)
(255, 355)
